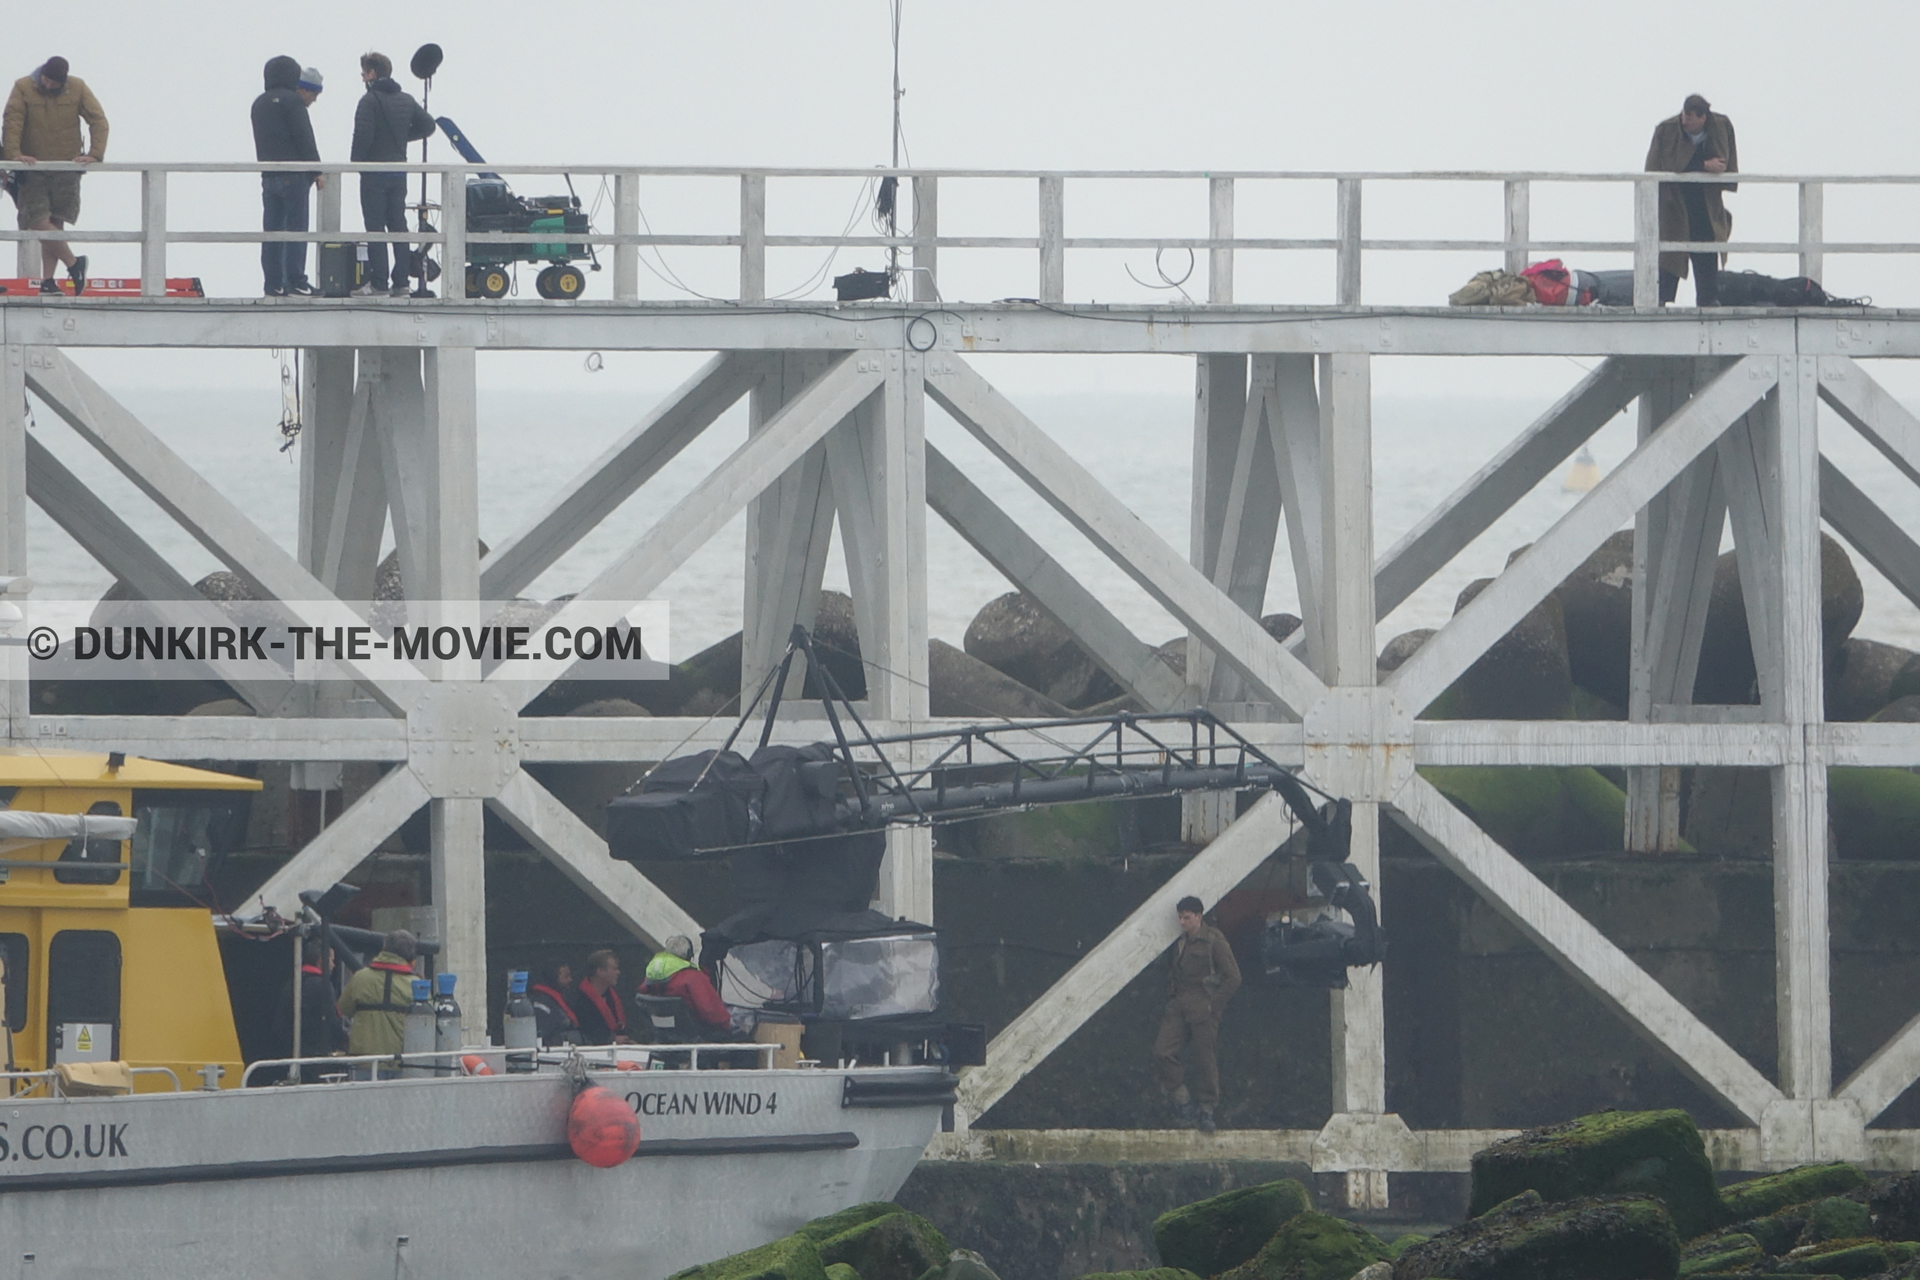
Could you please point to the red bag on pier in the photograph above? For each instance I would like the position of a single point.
(1549, 280)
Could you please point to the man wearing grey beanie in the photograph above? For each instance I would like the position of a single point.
(282, 131)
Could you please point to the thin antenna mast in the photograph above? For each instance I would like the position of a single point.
(893, 211)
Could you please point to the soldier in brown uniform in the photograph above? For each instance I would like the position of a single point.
(1204, 977)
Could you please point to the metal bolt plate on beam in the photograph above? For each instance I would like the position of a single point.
(1359, 742)
(1796, 1131)
(463, 741)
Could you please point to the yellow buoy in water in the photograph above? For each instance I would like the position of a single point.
(1583, 475)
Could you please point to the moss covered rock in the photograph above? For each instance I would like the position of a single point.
(1895, 1205)
(1758, 1197)
(1217, 1234)
(788, 1258)
(1313, 1246)
(1726, 1251)
(841, 1271)
(1778, 1231)
(1847, 1258)
(847, 1219)
(1875, 813)
(965, 1264)
(1152, 1273)
(894, 1246)
(1836, 1218)
(1538, 811)
(1658, 1153)
(1527, 1238)
(1401, 1244)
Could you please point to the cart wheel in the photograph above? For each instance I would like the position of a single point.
(543, 283)
(568, 282)
(494, 282)
(474, 286)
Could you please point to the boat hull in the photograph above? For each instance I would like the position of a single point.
(467, 1177)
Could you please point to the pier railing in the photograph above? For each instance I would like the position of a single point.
(922, 243)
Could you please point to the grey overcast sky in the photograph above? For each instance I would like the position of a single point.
(1373, 84)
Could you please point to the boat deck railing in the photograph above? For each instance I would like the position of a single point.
(921, 242)
(50, 1080)
(451, 1062)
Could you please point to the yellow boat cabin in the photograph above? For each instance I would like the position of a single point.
(106, 932)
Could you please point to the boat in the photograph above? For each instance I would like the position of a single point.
(136, 1140)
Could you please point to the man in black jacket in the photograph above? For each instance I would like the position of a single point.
(383, 124)
(282, 131)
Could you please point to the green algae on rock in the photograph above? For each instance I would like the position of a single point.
(1758, 1197)
(1526, 1238)
(1152, 1273)
(1727, 1251)
(1846, 1258)
(788, 1258)
(1313, 1246)
(1219, 1233)
(894, 1246)
(847, 1219)
(1836, 1218)
(841, 1271)
(1658, 1153)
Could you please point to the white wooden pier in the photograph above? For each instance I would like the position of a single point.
(1728, 431)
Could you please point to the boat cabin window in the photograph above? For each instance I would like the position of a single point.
(93, 849)
(15, 951)
(181, 835)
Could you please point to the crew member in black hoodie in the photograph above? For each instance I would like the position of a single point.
(383, 124)
(282, 131)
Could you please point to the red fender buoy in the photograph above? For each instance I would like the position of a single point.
(473, 1064)
(601, 1129)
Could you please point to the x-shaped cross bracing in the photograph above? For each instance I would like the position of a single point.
(1358, 739)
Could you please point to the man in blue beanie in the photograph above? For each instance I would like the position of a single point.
(282, 131)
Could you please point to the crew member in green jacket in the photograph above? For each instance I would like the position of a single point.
(376, 999)
(1204, 977)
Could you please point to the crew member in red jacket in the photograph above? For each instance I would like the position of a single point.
(552, 1007)
(603, 1020)
(672, 972)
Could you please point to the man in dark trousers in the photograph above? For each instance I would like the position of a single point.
(282, 131)
(603, 1019)
(1698, 140)
(321, 1030)
(1204, 977)
(383, 124)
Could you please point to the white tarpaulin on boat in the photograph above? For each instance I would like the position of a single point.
(17, 824)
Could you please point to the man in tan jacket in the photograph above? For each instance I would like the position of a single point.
(1698, 140)
(43, 123)
(1205, 975)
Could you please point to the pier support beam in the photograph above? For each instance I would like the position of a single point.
(14, 704)
(1676, 546)
(1346, 616)
(1785, 439)
(877, 459)
(789, 530)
